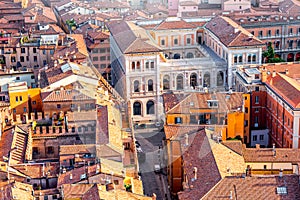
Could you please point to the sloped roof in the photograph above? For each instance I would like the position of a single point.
(256, 187)
(174, 24)
(66, 95)
(128, 41)
(230, 33)
(286, 87)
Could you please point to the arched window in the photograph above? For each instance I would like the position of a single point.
(138, 65)
(240, 59)
(290, 57)
(175, 41)
(193, 80)
(220, 78)
(206, 80)
(133, 65)
(137, 108)
(179, 82)
(166, 82)
(150, 107)
(150, 85)
(253, 58)
(176, 56)
(136, 86)
(249, 58)
(190, 55)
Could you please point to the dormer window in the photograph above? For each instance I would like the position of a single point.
(212, 103)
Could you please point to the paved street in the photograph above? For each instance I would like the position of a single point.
(151, 141)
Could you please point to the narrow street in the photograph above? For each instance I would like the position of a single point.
(153, 182)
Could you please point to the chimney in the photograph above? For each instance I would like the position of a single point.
(273, 74)
(263, 76)
(186, 139)
(280, 173)
(230, 195)
(274, 150)
(287, 71)
(195, 173)
(257, 146)
(71, 176)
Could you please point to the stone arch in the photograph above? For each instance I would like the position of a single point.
(290, 57)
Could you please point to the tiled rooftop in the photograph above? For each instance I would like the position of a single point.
(287, 88)
(230, 33)
(256, 187)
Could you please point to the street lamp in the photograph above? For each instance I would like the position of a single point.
(8, 161)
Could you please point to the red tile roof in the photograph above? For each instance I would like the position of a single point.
(77, 149)
(256, 187)
(199, 155)
(226, 102)
(267, 155)
(176, 24)
(171, 100)
(131, 43)
(286, 87)
(231, 34)
(66, 95)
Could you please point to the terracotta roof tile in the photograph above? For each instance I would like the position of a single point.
(267, 155)
(286, 87)
(256, 187)
(76, 149)
(176, 24)
(66, 95)
(199, 154)
(235, 145)
(230, 33)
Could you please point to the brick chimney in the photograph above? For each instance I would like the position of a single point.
(257, 146)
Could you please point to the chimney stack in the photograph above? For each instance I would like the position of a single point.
(195, 173)
(286, 71)
(186, 139)
(273, 74)
(257, 146)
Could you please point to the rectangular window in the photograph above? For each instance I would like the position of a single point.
(256, 110)
(102, 58)
(44, 51)
(50, 150)
(103, 66)
(22, 50)
(95, 58)
(260, 34)
(102, 50)
(261, 137)
(34, 50)
(17, 99)
(246, 123)
(96, 65)
(58, 106)
(269, 33)
(21, 99)
(152, 65)
(256, 89)
(256, 99)
(291, 31)
(34, 58)
(25, 109)
(162, 42)
(51, 52)
(22, 59)
(13, 59)
(254, 138)
(95, 50)
(277, 32)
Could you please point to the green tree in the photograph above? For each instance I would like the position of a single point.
(269, 55)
